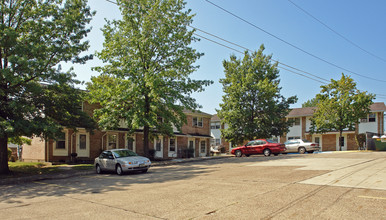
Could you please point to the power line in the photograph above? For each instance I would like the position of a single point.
(252, 51)
(292, 45)
(223, 45)
(337, 33)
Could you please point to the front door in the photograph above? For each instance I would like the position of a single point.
(191, 146)
(83, 144)
(341, 143)
(172, 147)
(202, 148)
(158, 146)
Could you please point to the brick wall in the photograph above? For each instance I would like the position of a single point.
(190, 129)
(351, 143)
(34, 152)
(329, 142)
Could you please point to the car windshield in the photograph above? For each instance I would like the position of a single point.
(306, 141)
(124, 153)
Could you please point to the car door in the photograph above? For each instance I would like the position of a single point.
(248, 149)
(103, 159)
(110, 161)
(260, 145)
(291, 146)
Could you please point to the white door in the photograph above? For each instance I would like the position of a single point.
(158, 146)
(172, 152)
(202, 148)
(341, 144)
(83, 144)
(318, 139)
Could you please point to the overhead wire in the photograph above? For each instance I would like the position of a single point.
(337, 33)
(241, 52)
(292, 45)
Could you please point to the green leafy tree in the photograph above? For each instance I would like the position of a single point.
(35, 36)
(310, 103)
(148, 63)
(252, 104)
(340, 107)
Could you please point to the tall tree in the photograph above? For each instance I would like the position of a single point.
(148, 63)
(340, 107)
(252, 104)
(310, 103)
(35, 36)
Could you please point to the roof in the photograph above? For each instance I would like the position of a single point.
(296, 112)
(378, 107)
(196, 112)
(309, 111)
(215, 118)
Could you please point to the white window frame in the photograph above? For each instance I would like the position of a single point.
(107, 140)
(61, 152)
(198, 121)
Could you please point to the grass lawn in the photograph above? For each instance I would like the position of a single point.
(35, 168)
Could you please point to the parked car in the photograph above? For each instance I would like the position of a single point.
(301, 146)
(259, 146)
(120, 161)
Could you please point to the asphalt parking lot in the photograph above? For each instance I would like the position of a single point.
(350, 185)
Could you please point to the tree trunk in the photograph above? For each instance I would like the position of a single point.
(146, 140)
(4, 169)
(340, 140)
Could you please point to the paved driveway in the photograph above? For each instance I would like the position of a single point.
(318, 186)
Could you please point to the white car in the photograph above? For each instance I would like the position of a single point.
(120, 161)
(301, 146)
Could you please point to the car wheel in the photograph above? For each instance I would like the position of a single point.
(302, 150)
(238, 153)
(311, 152)
(98, 169)
(144, 171)
(267, 152)
(118, 169)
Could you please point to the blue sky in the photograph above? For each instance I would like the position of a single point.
(361, 22)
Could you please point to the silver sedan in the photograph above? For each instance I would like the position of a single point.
(301, 146)
(120, 161)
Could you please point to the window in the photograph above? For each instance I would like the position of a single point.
(372, 117)
(61, 141)
(363, 120)
(197, 121)
(112, 141)
(158, 145)
(203, 146)
(215, 125)
(172, 144)
(296, 121)
(291, 138)
(82, 141)
(215, 142)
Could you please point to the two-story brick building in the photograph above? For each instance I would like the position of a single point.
(195, 135)
(373, 123)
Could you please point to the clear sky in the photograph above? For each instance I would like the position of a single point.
(278, 24)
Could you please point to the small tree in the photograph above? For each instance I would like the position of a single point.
(145, 82)
(340, 107)
(252, 104)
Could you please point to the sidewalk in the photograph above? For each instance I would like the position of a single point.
(68, 172)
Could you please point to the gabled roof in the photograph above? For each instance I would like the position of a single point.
(196, 112)
(309, 111)
(215, 118)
